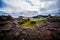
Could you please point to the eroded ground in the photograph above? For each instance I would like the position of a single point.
(10, 29)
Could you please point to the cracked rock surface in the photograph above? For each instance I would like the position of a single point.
(10, 30)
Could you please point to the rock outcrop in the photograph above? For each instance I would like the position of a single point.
(10, 30)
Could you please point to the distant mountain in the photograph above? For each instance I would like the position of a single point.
(3, 13)
(39, 16)
(56, 14)
(21, 17)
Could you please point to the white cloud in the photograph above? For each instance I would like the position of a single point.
(23, 4)
(14, 7)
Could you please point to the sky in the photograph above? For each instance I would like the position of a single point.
(29, 8)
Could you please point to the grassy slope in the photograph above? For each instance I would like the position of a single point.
(29, 25)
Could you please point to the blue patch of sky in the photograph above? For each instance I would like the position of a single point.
(2, 4)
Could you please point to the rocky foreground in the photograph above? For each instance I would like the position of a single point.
(10, 30)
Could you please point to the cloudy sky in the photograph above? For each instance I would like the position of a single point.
(29, 8)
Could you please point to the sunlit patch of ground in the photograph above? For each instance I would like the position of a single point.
(32, 23)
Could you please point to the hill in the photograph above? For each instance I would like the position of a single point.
(41, 16)
(11, 30)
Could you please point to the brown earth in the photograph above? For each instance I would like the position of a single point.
(10, 30)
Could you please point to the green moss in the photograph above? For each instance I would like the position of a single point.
(28, 24)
